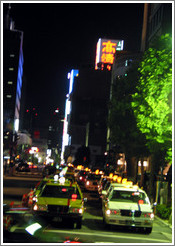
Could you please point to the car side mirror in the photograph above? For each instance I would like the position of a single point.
(85, 199)
(154, 204)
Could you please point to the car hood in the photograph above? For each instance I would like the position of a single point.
(130, 206)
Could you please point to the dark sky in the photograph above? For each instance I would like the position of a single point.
(61, 36)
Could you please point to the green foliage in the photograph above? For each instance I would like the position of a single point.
(122, 123)
(152, 103)
(163, 211)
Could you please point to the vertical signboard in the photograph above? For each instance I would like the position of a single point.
(105, 51)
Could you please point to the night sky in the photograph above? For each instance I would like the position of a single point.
(59, 37)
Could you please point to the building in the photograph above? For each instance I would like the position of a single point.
(12, 77)
(157, 20)
(55, 130)
(86, 112)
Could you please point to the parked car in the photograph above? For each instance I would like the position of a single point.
(81, 176)
(128, 206)
(103, 185)
(22, 167)
(48, 170)
(91, 182)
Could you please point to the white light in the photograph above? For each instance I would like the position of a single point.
(55, 177)
(62, 180)
(87, 182)
(108, 212)
(152, 216)
(16, 125)
(33, 228)
(80, 211)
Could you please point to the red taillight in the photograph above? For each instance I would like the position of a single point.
(64, 190)
(74, 197)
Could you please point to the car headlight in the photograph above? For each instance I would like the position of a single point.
(113, 211)
(87, 183)
(37, 207)
(108, 212)
(148, 215)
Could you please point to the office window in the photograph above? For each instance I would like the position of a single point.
(10, 82)
(9, 96)
(12, 55)
(11, 69)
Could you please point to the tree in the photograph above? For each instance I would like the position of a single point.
(122, 122)
(152, 103)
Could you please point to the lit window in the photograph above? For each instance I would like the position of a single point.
(10, 82)
(11, 69)
(9, 96)
(12, 55)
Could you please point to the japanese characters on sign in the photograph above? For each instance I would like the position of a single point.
(105, 51)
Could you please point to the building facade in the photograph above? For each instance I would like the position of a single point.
(157, 20)
(87, 107)
(12, 80)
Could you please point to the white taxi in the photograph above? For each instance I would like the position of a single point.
(128, 206)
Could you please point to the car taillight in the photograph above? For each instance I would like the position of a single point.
(76, 210)
(87, 182)
(40, 207)
(74, 197)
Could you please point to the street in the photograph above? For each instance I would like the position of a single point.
(92, 230)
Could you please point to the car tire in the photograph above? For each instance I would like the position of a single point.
(106, 226)
(79, 223)
(148, 230)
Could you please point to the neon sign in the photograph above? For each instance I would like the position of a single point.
(105, 52)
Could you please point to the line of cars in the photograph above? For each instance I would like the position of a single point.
(123, 204)
(59, 196)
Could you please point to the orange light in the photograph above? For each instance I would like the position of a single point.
(109, 47)
(119, 179)
(107, 58)
(141, 202)
(111, 175)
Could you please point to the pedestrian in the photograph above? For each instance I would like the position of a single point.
(5, 167)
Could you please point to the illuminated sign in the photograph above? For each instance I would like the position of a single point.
(105, 51)
(66, 138)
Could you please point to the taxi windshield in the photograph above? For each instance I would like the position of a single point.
(129, 196)
(60, 191)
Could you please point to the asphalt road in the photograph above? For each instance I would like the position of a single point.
(92, 230)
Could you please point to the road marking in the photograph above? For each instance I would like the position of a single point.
(104, 235)
(95, 234)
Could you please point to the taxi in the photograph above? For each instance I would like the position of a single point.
(128, 206)
(60, 198)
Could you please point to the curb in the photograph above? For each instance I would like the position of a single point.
(163, 221)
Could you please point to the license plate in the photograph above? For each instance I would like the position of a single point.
(57, 219)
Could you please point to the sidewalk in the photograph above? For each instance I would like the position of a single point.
(165, 222)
